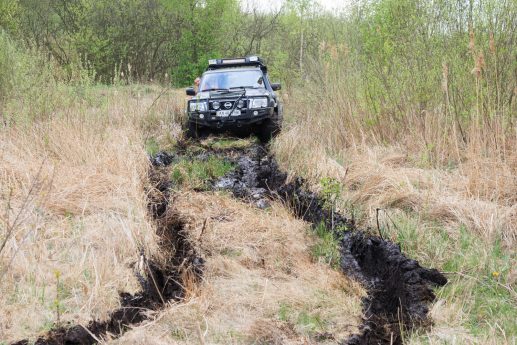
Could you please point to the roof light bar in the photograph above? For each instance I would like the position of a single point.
(233, 61)
(252, 60)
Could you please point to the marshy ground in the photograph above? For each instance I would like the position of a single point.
(234, 247)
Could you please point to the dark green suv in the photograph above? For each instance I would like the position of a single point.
(235, 95)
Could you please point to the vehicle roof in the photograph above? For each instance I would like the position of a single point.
(233, 69)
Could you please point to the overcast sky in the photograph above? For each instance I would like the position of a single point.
(268, 5)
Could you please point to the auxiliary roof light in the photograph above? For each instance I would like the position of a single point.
(253, 58)
(232, 61)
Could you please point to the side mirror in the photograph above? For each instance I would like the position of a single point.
(276, 86)
(190, 91)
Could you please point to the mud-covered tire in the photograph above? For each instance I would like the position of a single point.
(269, 129)
(193, 130)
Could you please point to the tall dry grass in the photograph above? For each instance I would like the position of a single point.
(73, 208)
(460, 170)
(442, 186)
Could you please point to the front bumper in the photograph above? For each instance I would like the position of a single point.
(247, 118)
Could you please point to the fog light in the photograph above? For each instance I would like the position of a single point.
(255, 112)
(201, 116)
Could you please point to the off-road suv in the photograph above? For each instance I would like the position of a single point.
(235, 94)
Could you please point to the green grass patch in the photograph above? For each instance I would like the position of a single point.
(229, 143)
(152, 147)
(197, 173)
(305, 320)
(479, 271)
(326, 247)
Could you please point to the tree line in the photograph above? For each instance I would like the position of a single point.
(386, 53)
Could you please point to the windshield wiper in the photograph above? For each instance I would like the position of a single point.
(244, 87)
(216, 89)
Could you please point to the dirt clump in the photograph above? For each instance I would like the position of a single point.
(399, 289)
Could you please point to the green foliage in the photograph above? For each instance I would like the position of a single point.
(22, 76)
(8, 12)
(197, 173)
(152, 147)
(326, 247)
(330, 192)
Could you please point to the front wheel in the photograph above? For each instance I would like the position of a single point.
(193, 130)
(268, 129)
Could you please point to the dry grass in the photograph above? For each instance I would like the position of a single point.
(85, 218)
(425, 167)
(450, 203)
(261, 284)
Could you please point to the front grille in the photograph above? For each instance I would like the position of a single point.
(223, 102)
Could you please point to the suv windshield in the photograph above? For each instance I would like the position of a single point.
(231, 79)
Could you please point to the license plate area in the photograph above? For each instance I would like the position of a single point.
(226, 113)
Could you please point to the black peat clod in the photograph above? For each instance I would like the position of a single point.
(399, 289)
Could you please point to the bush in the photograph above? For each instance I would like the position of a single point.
(32, 86)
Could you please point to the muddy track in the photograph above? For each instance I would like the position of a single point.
(399, 289)
(161, 281)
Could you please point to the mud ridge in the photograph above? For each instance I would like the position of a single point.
(399, 289)
(159, 279)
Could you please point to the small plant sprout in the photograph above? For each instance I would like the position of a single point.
(57, 301)
(331, 190)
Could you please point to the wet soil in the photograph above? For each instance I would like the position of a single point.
(399, 289)
(160, 280)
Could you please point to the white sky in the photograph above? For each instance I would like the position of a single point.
(268, 5)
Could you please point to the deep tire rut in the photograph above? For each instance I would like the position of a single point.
(161, 280)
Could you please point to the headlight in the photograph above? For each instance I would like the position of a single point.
(197, 106)
(216, 105)
(240, 104)
(258, 102)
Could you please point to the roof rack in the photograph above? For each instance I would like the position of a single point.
(236, 62)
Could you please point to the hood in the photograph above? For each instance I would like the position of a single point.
(234, 94)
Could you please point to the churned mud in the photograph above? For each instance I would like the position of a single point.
(399, 289)
(160, 281)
